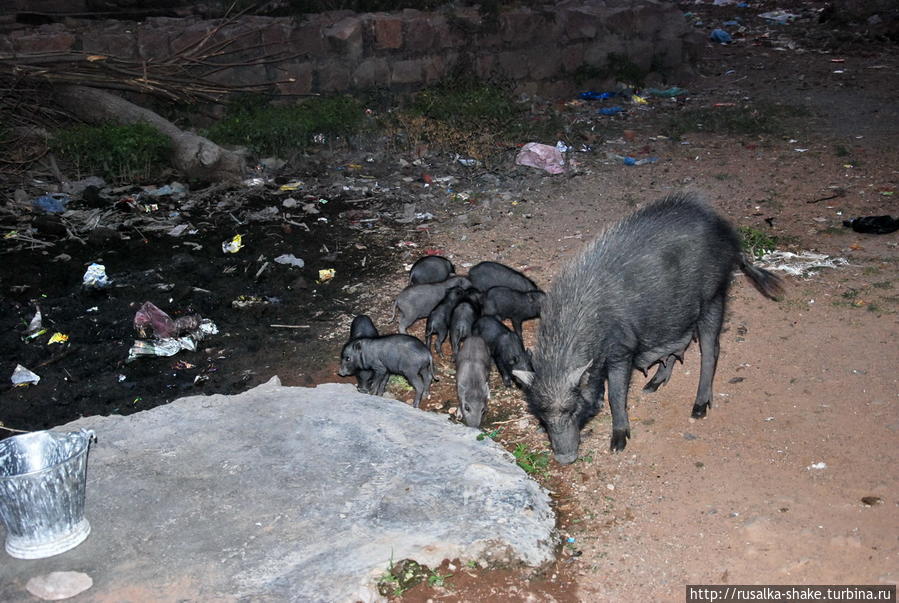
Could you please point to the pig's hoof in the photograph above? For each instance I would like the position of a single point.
(651, 386)
(700, 410)
(619, 439)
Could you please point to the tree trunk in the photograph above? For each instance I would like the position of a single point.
(192, 155)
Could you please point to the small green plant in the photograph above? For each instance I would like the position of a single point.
(757, 242)
(742, 120)
(399, 381)
(533, 463)
(119, 153)
(625, 70)
(400, 577)
(438, 580)
(489, 434)
(882, 285)
(850, 294)
(841, 151)
(268, 130)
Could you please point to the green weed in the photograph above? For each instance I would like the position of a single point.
(489, 434)
(882, 285)
(757, 242)
(400, 577)
(119, 153)
(841, 151)
(533, 463)
(435, 579)
(737, 121)
(268, 130)
(624, 70)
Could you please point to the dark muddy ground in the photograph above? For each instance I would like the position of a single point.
(89, 374)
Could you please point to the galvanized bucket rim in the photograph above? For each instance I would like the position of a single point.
(86, 434)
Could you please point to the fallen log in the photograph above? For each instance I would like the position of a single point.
(193, 155)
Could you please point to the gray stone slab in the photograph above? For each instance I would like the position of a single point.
(289, 494)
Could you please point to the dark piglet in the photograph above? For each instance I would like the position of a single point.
(634, 298)
(463, 318)
(417, 301)
(472, 369)
(439, 319)
(505, 347)
(362, 326)
(430, 269)
(493, 274)
(517, 306)
(387, 355)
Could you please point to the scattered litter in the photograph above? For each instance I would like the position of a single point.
(627, 160)
(668, 93)
(781, 17)
(95, 276)
(175, 189)
(870, 501)
(265, 214)
(610, 110)
(54, 203)
(639, 100)
(873, 224)
(571, 540)
(58, 338)
(178, 230)
(468, 161)
(720, 36)
(818, 466)
(291, 186)
(234, 245)
(562, 147)
(289, 203)
(172, 345)
(800, 264)
(57, 586)
(254, 182)
(325, 275)
(36, 326)
(590, 95)
(290, 260)
(150, 321)
(541, 156)
(21, 376)
(407, 244)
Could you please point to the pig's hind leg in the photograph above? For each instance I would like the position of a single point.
(709, 329)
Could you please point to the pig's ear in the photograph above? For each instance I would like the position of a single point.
(577, 377)
(357, 345)
(526, 377)
(488, 391)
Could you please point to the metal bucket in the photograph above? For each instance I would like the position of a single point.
(42, 479)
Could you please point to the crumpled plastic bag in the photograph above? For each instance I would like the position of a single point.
(541, 156)
(169, 346)
(150, 321)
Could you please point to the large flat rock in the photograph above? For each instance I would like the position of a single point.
(288, 494)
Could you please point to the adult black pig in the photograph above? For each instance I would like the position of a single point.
(633, 298)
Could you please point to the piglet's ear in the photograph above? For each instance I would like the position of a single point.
(526, 377)
(357, 345)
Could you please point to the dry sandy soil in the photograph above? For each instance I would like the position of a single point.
(791, 479)
(809, 382)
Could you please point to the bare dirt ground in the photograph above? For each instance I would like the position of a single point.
(791, 479)
(809, 382)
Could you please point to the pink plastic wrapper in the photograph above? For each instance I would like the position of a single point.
(541, 156)
(150, 321)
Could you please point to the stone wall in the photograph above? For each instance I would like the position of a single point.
(541, 50)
